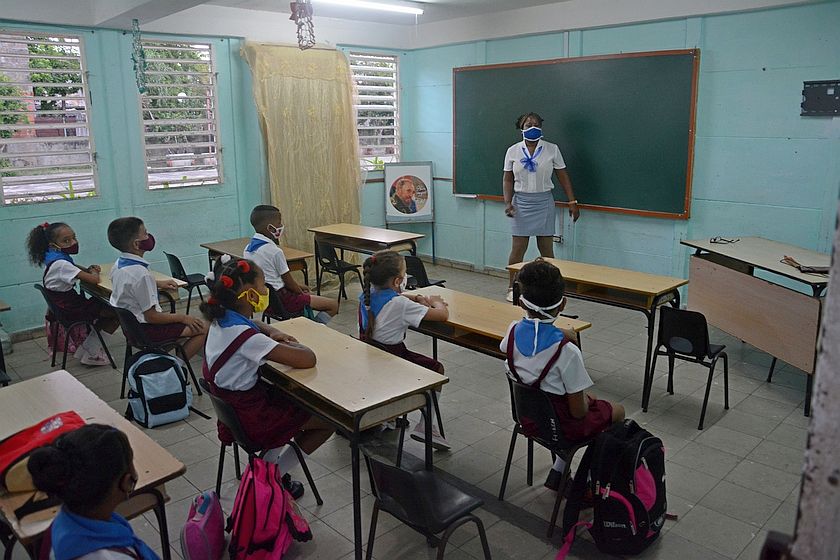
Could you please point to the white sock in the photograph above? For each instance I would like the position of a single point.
(284, 457)
(559, 465)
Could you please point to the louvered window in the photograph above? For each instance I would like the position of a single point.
(46, 150)
(180, 116)
(377, 107)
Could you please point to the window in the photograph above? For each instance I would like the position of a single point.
(46, 151)
(180, 118)
(377, 114)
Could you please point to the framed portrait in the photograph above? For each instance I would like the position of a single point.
(408, 192)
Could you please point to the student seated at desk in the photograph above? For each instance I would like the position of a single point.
(91, 470)
(264, 251)
(386, 313)
(134, 288)
(538, 353)
(51, 246)
(237, 347)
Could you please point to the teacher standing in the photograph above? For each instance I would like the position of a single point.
(527, 186)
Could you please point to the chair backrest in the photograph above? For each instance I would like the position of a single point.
(683, 332)
(326, 255)
(131, 329)
(175, 267)
(414, 266)
(54, 309)
(227, 416)
(399, 492)
(532, 409)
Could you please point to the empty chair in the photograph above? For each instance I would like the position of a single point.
(414, 267)
(68, 325)
(194, 281)
(227, 416)
(328, 260)
(685, 335)
(527, 404)
(422, 501)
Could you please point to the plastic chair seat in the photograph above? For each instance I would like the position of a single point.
(446, 503)
(196, 279)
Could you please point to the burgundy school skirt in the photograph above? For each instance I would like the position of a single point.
(161, 334)
(75, 306)
(403, 352)
(267, 416)
(598, 419)
(292, 302)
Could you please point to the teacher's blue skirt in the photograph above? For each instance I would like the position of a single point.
(534, 214)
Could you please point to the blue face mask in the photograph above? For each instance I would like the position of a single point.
(532, 133)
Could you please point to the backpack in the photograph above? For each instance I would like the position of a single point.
(265, 517)
(203, 535)
(625, 469)
(158, 391)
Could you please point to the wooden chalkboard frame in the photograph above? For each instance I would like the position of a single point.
(686, 213)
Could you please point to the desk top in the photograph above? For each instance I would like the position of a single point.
(236, 247)
(486, 316)
(650, 285)
(351, 375)
(366, 233)
(766, 254)
(4, 306)
(105, 278)
(25, 403)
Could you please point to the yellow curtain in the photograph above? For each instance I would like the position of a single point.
(305, 103)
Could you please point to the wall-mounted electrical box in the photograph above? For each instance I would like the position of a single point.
(821, 99)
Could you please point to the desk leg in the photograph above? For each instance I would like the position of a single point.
(305, 273)
(210, 260)
(434, 348)
(428, 419)
(809, 389)
(646, 386)
(357, 494)
(317, 268)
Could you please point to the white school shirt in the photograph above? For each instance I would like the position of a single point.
(240, 373)
(396, 316)
(548, 160)
(133, 287)
(103, 554)
(61, 276)
(271, 259)
(567, 375)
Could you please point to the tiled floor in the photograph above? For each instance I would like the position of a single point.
(729, 484)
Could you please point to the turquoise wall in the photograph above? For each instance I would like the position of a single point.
(179, 218)
(760, 168)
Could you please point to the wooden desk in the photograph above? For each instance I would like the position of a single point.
(478, 323)
(362, 239)
(783, 322)
(236, 247)
(621, 288)
(4, 377)
(28, 402)
(103, 289)
(355, 386)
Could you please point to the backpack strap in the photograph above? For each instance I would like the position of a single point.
(571, 513)
(510, 347)
(32, 505)
(209, 374)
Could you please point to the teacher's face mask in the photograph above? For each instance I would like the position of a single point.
(532, 133)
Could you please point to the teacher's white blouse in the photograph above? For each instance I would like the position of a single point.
(548, 160)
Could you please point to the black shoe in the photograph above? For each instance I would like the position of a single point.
(293, 487)
(552, 481)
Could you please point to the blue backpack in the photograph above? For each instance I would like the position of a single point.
(158, 391)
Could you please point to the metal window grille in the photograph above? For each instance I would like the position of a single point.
(180, 115)
(376, 77)
(46, 148)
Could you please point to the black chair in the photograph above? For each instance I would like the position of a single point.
(414, 267)
(329, 262)
(276, 310)
(194, 281)
(422, 501)
(528, 402)
(68, 325)
(685, 335)
(136, 338)
(227, 416)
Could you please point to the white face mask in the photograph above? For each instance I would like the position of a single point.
(276, 232)
(404, 283)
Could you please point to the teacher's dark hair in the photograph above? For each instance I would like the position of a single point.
(522, 118)
(541, 283)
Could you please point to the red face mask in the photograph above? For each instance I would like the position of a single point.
(147, 244)
(72, 249)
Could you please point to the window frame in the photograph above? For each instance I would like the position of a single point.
(396, 157)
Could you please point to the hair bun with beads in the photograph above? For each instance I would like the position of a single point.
(226, 281)
(243, 266)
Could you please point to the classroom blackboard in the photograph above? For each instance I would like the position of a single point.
(624, 123)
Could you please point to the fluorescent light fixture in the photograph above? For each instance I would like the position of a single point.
(364, 4)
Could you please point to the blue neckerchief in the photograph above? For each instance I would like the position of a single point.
(529, 162)
(546, 337)
(53, 255)
(233, 318)
(74, 536)
(123, 262)
(378, 299)
(255, 244)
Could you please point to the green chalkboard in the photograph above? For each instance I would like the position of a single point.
(624, 123)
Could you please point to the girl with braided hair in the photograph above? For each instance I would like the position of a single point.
(237, 347)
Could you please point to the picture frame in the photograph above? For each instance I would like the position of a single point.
(409, 192)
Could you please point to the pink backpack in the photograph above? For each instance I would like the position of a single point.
(265, 517)
(203, 536)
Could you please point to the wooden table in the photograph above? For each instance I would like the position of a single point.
(354, 386)
(778, 320)
(103, 289)
(4, 377)
(236, 248)
(620, 287)
(478, 323)
(28, 402)
(362, 239)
